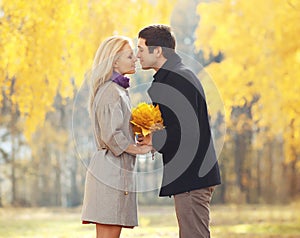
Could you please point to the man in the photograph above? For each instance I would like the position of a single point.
(191, 169)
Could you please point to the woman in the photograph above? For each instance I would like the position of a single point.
(110, 198)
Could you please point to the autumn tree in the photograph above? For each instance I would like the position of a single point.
(258, 80)
(46, 47)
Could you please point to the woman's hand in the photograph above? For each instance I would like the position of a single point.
(144, 149)
(138, 149)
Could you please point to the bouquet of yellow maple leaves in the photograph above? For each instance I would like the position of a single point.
(146, 118)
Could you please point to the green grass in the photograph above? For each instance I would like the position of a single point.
(155, 222)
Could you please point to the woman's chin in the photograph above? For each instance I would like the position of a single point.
(131, 71)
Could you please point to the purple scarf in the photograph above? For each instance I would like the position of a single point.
(120, 79)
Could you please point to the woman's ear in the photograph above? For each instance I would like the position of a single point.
(115, 64)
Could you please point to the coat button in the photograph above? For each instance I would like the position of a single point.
(126, 193)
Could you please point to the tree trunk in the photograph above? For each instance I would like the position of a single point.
(57, 187)
(12, 161)
(75, 199)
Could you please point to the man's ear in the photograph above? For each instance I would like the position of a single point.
(158, 51)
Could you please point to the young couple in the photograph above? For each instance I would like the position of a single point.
(190, 166)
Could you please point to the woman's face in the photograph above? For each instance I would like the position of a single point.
(125, 63)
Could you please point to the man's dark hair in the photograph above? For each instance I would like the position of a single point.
(159, 35)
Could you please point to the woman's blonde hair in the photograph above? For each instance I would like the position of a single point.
(102, 68)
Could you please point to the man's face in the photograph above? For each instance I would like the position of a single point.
(147, 60)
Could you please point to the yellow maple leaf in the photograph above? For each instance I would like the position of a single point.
(146, 118)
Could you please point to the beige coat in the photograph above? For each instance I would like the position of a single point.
(110, 196)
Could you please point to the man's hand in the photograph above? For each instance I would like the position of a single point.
(145, 140)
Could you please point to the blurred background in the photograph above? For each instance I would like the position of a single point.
(250, 53)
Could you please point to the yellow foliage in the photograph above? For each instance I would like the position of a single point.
(51, 137)
(146, 118)
(259, 40)
(47, 46)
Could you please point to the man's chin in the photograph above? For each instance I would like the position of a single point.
(146, 67)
